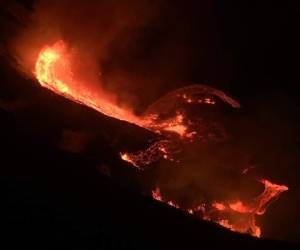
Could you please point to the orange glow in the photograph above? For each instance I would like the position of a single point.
(156, 194)
(219, 206)
(205, 100)
(225, 223)
(271, 192)
(53, 70)
(238, 206)
(176, 128)
(127, 157)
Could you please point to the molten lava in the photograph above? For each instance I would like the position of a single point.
(54, 70)
(244, 214)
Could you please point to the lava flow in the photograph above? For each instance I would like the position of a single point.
(244, 214)
(54, 70)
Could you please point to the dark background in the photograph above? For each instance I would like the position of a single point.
(249, 49)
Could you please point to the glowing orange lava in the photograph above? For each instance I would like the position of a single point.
(54, 70)
(245, 214)
(219, 206)
(129, 158)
